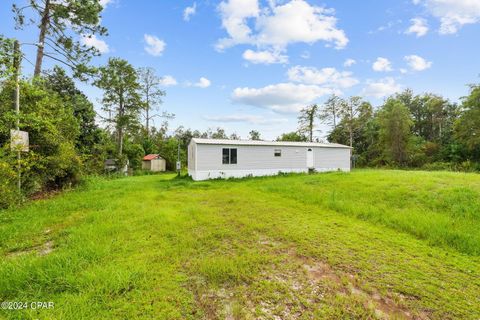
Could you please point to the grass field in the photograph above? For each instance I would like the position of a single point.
(369, 244)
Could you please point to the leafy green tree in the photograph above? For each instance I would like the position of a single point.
(432, 114)
(53, 129)
(6, 57)
(363, 137)
(467, 127)
(185, 135)
(254, 135)
(121, 100)
(331, 110)
(395, 131)
(134, 152)
(169, 150)
(234, 136)
(218, 134)
(58, 81)
(306, 120)
(293, 136)
(59, 22)
(349, 111)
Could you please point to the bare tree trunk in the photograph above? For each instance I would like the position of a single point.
(311, 127)
(334, 117)
(120, 141)
(351, 124)
(148, 113)
(121, 112)
(41, 38)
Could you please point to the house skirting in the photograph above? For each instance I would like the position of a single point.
(225, 174)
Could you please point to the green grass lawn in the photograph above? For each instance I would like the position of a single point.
(369, 244)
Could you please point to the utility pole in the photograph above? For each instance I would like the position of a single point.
(178, 159)
(16, 66)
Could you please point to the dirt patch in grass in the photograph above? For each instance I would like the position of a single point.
(41, 250)
(297, 287)
(384, 307)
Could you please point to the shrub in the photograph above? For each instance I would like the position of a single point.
(8, 188)
(437, 166)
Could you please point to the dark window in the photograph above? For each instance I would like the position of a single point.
(225, 156)
(229, 156)
(233, 156)
(277, 152)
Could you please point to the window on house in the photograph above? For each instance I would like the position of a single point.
(277, 152)
(225, 156)
(229, 156)
(233, 156)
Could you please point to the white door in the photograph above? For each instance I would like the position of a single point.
(310, 163)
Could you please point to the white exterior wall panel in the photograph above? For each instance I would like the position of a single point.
(331, 158)
(191, 156)
(209, 157)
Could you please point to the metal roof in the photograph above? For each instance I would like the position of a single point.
(268, 143)
(151, 157)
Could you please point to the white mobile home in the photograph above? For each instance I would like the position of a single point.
(212, 158)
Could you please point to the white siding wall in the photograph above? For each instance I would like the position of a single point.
(331, 158)
(191, 156)
(205, 161)
(158, 165)
(209, 157)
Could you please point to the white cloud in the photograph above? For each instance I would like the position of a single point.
(189, 12)
(453, 14)
(417, 63)
(419, 27)
(349, 63)
(381, 88)
(253, 119)
(264, 57)
(93, 41)
(386, 27)
(277, 26)
(329, 77)
(155, 46)
(382, 65)
(203, 83)
(282, 97)
(168, 81)
(234, 15)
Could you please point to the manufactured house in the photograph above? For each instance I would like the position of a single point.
(217, 158)
(154, 163)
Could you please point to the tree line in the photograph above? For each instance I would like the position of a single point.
(407, 130)
(69, 139)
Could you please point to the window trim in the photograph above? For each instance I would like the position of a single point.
(277, 152)
(230, 157)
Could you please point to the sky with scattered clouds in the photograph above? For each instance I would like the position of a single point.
(252, 64)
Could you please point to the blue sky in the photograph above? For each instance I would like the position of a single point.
(251, 64)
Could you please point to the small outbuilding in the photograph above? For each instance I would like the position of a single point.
(110, 165)
(154, 162)
(218, 158)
